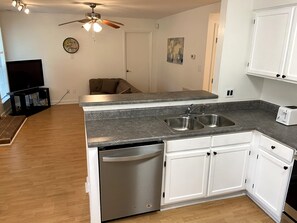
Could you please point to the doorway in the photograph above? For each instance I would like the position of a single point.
(138, 59)
(210, 54)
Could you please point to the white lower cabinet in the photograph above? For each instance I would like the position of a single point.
(223, 164)
(270, 169)
(228, 169)
(205, 171)
(271, 182)
(186, 175)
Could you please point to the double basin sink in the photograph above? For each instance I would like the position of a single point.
(195, 122)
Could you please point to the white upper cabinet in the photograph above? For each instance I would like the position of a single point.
(272, 44)
(291, 62)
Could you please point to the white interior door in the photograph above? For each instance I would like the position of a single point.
(138, 59)
(213, 56)
(210, 52)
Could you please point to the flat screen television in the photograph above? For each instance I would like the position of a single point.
(24, 74)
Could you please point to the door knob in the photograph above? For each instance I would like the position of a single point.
(284, 76)
(278, 75)
(128, 71)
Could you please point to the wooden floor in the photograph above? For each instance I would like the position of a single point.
(42, 176)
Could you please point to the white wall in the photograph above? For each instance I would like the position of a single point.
(232, 52)
(192, 25)
(38, 36)
(280, 93)
(277, 92)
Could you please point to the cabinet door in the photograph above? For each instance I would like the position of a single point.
(291, 65)
(186, 175)
(228, 169)
(270, 41)
(271, 181)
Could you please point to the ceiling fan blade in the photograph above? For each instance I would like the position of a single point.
(121, 24)
(106, 22)
(84, 20)
(81, 20)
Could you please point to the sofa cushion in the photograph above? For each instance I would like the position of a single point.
(95, 85)
(122, 86)
(109, 86)
(96, 92)
(126, 91)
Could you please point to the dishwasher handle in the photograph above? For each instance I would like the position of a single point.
(130, 158)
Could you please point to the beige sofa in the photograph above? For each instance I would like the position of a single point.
(111, 86)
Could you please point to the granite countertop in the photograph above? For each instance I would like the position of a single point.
(116, 99)
(107, 132)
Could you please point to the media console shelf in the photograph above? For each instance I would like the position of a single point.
(31, 101)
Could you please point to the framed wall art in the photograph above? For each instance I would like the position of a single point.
(175, 50)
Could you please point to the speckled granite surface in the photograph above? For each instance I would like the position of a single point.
(177, 110)
(107, 132)
(115, 99)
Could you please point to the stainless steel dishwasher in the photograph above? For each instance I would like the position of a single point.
(130, 179)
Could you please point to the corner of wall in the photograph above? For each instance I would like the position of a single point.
(232, 56)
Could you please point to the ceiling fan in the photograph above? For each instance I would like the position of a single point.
(93, 19)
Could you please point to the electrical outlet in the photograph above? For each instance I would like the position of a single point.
(229, 93)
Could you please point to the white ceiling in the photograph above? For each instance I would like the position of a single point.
(153, 9)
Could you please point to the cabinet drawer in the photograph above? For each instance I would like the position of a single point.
(277, 148)
(187, 144)
(231, 139)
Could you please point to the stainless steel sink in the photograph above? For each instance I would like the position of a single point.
(213, 120)
(184, 123)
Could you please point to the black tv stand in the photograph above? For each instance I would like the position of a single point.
(31, 101)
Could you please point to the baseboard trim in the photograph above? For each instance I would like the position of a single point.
(64, 102)
(201, 200)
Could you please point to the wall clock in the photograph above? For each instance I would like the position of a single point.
(70, 45)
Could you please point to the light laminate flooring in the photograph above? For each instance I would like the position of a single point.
(42, 176)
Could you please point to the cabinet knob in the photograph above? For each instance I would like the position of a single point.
(215, 153)
(272, 147)
(208, 153)
(284, 76)
(278, 75)
(285, 167)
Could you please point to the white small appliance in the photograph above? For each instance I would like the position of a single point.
(287, 115)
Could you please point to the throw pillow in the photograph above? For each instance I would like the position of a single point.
(109, 86)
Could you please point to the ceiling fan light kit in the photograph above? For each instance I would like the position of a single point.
(93, 20)
(87, 26)
(96, 27)
(14, 3)
(20, 6)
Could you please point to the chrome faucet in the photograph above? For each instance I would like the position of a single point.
(202, 108)
(189, 110)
